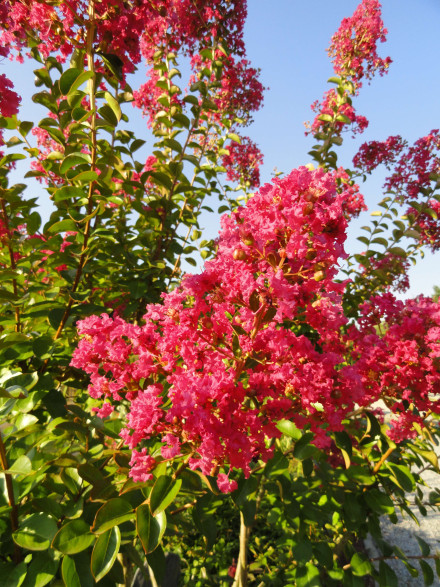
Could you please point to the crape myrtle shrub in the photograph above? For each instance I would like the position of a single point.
(257, 418)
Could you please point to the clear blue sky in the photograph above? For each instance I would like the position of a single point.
(287, 39)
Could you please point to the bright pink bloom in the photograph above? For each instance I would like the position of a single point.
(353, 47)
(243, 162)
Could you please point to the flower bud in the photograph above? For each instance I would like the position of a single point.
(239, 255)
(319, 275)
(248, 240)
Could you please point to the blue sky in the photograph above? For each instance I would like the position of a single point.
(287, 39)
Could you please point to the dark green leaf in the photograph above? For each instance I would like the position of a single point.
(114, 64)
(163, 493)
(379, 502)
(67, 79)
(14, 575)
(428, 573)
(303, 449)
(73, 537)
(150, 529)
(387, 577)
(41, 571)
(114, 512)
(69, 573)
(105, 552)
(424, 546)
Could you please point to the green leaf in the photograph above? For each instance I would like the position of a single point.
(114, 64)
(62, 226)
(325, 117)
(69, 573)
(289, 428)
(67, 79)
(83, 77)
(41, 571)
(163, 493)
(428, 573)
(397, 251)
(173, 144)
(308, 576)
(161, 179)
(67, 192)
(360, 565)
(234, 137)
(427, 455)
(47, 100)
(403, 476)
(114, 512)
(373, 429)
(105, 552)
(15, 575)
(343, 118)
(22, 466)
(114, 105)
(33, 222)
(57, 135)
(137, 144)
(36, 532)
(379, 502)
(380, 241)
(425, 549)
(74, 159)
(108, 114)
(303, 449)
(73, 537)
(25, 127)
(387, 577)
(364, 240)
(150, 529)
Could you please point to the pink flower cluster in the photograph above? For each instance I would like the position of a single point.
(353, 47)
(354, 55)
(375, 153)
(125, 29)
(397, 347)
(354, 202)
(389, 270)
(427, 223)
(224, 357)
(241, 93)
(9, 100)
(415, 166)
(243, 162)
(332, 105)
(259, 336)
(413, 170)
